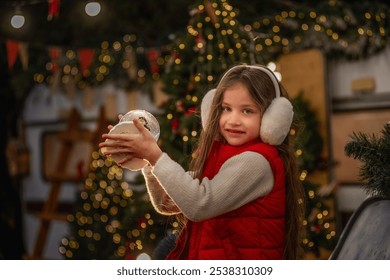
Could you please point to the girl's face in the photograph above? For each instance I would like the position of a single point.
(240, 119)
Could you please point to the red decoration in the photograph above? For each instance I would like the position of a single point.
(85, 59)
(199, 39)
(129, 250)
(180, 106)
(175, 125)
(54, 54)
(54, 9)
(12, 52)
(191, 111)
(153, 55)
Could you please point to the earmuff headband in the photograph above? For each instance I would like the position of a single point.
(263, 69)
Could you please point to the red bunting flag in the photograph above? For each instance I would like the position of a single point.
(54, 9)
(12, 52)
(85, 59)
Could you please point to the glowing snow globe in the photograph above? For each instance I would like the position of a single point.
(125, 125)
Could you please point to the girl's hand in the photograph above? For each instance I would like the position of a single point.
(141, 145)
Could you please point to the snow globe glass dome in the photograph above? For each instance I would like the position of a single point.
(146, 118)
(126, 126)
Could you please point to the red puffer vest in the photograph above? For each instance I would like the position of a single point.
(253, 231)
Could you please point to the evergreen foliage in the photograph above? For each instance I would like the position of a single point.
(110, 220)
(308, 140)
(308, 145)
(214, 41)
(374, 153)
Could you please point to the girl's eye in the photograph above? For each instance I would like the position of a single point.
(226, 109)
(247, 111)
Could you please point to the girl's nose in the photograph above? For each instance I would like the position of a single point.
(234, 118)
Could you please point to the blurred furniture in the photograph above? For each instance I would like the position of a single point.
(67, 140)
(366, 235)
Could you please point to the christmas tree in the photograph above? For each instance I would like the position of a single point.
(214, 41)
(374, 152)
(111, 220)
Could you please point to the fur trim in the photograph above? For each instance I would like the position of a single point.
(276, 121)
(205, 107)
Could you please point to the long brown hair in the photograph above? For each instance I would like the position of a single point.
(262, 90)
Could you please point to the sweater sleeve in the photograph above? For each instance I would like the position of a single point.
(241, 179)
(161, 201)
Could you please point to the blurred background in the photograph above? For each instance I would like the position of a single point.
(69, 67)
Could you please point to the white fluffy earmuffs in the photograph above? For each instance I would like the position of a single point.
(277, 119)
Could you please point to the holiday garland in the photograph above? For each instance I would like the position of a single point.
(337, 28)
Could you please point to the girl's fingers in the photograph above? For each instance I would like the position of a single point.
(139, 126)
(125, 159)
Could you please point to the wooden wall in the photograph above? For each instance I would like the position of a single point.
(305, 72)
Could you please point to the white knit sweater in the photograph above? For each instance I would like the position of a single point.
(241, 179)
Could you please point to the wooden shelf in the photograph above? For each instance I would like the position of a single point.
(361, 102)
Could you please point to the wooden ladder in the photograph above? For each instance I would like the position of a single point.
(71, 135)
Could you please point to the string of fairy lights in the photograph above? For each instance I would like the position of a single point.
(100, 215)
(121, 54)
(334, 29)
(345, 33)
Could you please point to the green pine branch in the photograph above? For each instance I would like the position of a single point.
(374, 152)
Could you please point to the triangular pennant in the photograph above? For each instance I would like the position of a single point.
(54, 9)
(85, 59)
(12, 52)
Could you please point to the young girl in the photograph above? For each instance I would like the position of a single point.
(242, 198)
